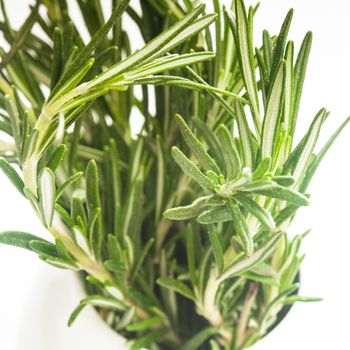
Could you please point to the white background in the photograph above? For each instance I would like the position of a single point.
(28, 286)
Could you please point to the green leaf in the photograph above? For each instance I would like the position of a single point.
(21, 36)
(93, 217)
(102, 60)
(267, 50)
(188, 211)
(160, 65)
(126, 319)
(62, 251)
(215, 92)
(273, 190)
(114, 159)
(13, 113)
(191, 28)
(210, 139)
(299, 76)
(309, 143)
(215, 243)
(67, 183)
(57, 64)
(216, 214)
(273, 112)
(94, 202)
(74, 315)
(241, 227)
(284, 180)
(146, 324)
(161, 170)
(177, 286)
(247, 263)
(114, 291)
(83, 99)
(142, 257)
(56, 158)
(214, 345)
(263, 168)
(12, 174)
(297, 298)
(43, 248)
(198, 150)
(132, 212)
(245, 137)
(60, 263)
(288, 102)
(33, 200)
(78, 212)
(104, 302)
(315, 164)
(230, 154)
(264, 75)
(148, 339)
(281, 43)
(83, 57)
(97, 301)
(286, 214)
(81, 240)
(19, 239)
(191, 170)
(163, 43)
(244, 44)
(172, 80)
(199, 339)
(256, 210)
(270, 314)
(266, 280)
(47, 190)
(30, 143)
(72, 82)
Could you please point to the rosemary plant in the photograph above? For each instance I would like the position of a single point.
(216, 155)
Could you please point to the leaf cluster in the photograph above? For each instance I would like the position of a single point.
(180, 231)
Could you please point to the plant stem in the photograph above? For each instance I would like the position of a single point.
(245, 313)
(90, 266)
(207, 306)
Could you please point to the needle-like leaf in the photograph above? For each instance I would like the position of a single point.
(241, 227)
(47, 189)
(191, 170)
(176, 285)
(19, 239)
(189, 211)
(273, 112)
(204, 159)
(243, 36)
(12, 174)
(230, 154)
(215, 243)
(258, 257)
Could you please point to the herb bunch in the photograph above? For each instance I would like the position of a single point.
(216, 155)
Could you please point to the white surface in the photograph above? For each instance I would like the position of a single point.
(48, 330)
(325, 271)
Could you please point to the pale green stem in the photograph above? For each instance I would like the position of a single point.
(244, 316)
(207, 306)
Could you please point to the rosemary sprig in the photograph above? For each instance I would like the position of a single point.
(216, 154)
